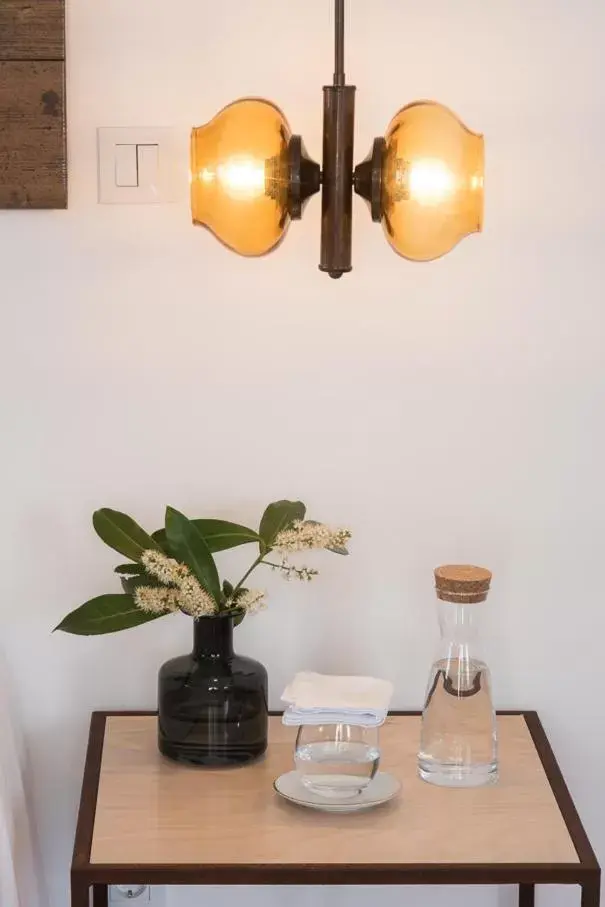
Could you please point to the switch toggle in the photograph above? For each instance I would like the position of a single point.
(126, 165)
(147, 165)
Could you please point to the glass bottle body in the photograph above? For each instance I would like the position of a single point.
(212, 704)
(458, 743)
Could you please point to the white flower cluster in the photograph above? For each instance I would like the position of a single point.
(305, 535)
(251, 601)
(305, 574)
(156, 601)
(185, 592)
(166, 569)
(193, 598)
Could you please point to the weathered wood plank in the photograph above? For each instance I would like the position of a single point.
(32, 29)
(33, 168)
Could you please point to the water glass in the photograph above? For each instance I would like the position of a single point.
(336, 760)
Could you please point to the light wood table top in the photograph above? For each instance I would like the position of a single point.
(144, 819)
(151, 810)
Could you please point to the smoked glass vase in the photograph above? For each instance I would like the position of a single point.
(212, 703)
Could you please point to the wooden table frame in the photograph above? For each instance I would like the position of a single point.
(86, 875)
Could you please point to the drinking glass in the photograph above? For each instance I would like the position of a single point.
(336, 760)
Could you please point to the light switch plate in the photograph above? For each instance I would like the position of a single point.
(139, 165)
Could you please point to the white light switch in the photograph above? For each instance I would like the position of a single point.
(126, 165)
(140, 166)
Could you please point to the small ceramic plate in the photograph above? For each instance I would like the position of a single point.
(380, 790)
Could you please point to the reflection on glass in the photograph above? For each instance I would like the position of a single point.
(239, 176)
(432, 187)
(336, 760)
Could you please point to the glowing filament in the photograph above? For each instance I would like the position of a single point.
(430, 182)
(242, 177)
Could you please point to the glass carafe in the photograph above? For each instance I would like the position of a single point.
(458, 742)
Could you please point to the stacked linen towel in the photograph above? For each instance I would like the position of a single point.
(329, 699)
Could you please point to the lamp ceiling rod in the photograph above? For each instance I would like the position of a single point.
(337, 162)
(339, 42)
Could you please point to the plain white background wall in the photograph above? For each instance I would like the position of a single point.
(450, 411)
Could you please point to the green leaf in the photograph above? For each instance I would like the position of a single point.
(188, 546)
(279, 515)
(121, 533)
(105, 614)
(130, 569)
(219, 535)
(237, 613)
(159, 537)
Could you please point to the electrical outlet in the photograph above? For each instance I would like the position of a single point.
(120, 893)
(139, 894)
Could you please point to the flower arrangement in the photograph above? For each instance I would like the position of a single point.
(173, 569)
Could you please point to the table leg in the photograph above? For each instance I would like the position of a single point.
(591, 892)
(100, 895)
(527, 895)
(79, 892)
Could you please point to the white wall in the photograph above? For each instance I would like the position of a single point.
(446, 411)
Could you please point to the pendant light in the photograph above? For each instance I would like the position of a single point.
(250, 176)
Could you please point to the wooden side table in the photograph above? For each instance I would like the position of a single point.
(146, 820)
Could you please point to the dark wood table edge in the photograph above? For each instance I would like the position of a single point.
(343, 874)
(565, 802)
(585, 873)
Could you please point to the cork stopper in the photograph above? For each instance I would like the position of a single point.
(462, 583)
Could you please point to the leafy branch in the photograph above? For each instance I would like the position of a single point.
(173, 568)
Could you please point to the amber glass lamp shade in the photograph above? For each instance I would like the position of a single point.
(432, 181)
(239, 176)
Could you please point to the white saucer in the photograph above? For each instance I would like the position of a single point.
(380, 790)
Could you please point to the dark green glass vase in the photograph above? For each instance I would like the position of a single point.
(212, 704)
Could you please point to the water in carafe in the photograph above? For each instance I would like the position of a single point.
(458, 745)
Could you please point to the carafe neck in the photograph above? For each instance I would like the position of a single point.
(459, 626)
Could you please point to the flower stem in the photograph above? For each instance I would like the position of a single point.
(259, 560)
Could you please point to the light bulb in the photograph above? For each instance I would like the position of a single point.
(432, 181)
(240, 176)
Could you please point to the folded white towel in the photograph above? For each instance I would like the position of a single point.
(331, 699)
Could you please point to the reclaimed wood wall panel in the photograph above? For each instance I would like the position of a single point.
(33, 157)
(32, 162)
(32, 29)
